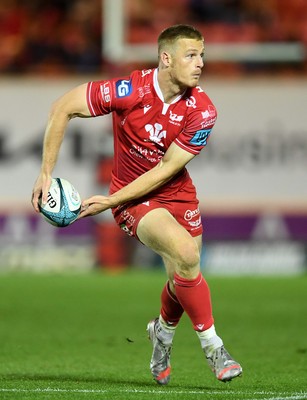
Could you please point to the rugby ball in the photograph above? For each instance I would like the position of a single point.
(63, 203)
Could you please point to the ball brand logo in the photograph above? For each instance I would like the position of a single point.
(74, 196)
(50, 200)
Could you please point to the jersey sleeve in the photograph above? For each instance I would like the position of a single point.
(106, 96)
(197, 130)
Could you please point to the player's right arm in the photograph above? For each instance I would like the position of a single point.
(72, 104)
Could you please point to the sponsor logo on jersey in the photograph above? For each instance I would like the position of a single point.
(144, 90)
(175, 119)
(156, 133)
(153, 156)
(200, 138)
(123, 88)
(191, 102)
(146, 72)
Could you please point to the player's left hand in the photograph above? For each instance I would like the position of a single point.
(94, 205)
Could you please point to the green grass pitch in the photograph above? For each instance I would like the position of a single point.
(84, 337)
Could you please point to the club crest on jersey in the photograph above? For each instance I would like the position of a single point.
(123, 88)
(156, 133)
(200, 138)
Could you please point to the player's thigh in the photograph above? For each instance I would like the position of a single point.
(161, 232)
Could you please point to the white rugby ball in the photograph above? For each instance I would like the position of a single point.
(63, 203)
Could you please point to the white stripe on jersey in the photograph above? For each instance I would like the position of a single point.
(89, 100)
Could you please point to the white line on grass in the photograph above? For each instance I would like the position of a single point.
(280, 395)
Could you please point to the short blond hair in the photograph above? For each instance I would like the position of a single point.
(170, 35)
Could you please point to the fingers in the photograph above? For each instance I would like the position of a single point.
(94, 205)
(45, 189)
(91, 200)
(35, 200)
(89, 210)
(40, 192)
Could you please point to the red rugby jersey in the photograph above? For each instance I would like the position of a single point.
(144, 126)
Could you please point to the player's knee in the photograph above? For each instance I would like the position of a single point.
(188, 260)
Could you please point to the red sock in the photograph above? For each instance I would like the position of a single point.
(171, 310)
(194, 296)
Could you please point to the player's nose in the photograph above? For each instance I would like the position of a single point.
(200, 61)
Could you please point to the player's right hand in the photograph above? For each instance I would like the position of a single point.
(40, 190)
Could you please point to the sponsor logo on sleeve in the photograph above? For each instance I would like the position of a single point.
(208, 116)
(106, 92)
(123, 88)
(200, 138)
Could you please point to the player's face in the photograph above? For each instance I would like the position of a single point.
(187, 62)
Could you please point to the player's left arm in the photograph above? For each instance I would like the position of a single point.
(173, 161)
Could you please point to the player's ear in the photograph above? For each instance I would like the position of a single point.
(165, 58)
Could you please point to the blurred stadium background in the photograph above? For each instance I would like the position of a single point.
(251, 178)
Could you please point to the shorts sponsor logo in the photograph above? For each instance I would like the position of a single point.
(127, 217)
(196, 223)
(191, 214)
(123, 88)
(128, 222)
(125, 228)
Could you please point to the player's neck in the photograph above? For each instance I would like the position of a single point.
(169, 89)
